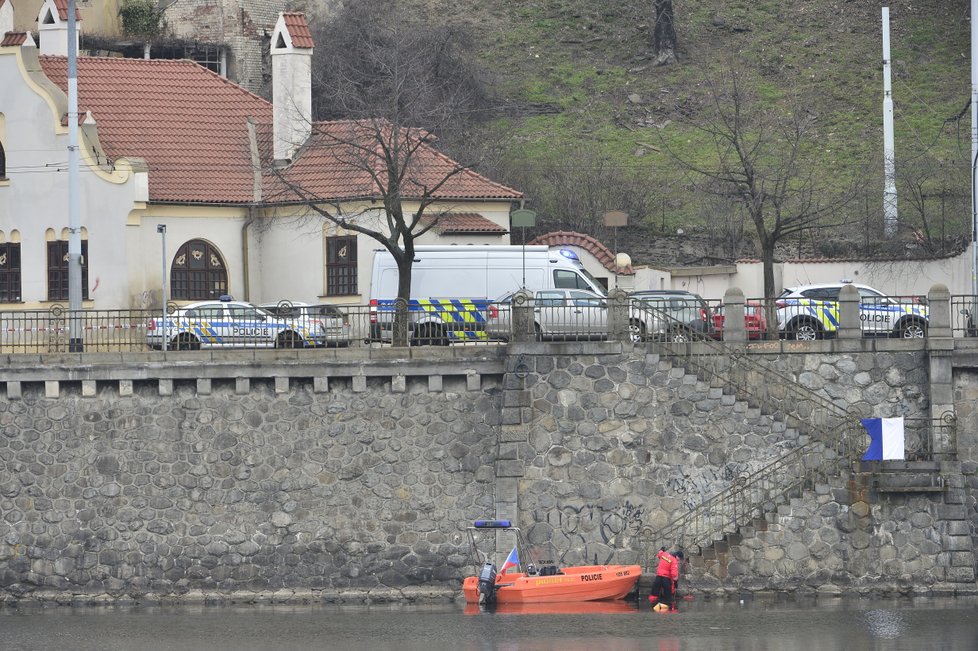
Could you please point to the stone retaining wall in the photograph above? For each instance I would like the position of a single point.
(353, 480)
(617, 444)
(155, 496)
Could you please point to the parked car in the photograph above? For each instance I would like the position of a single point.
(812, 312)
(563, 314)
(335, 321)
(227, 323)
(683, 315)
(755, 323)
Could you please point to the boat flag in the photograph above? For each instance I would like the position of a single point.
(885, 438)
(511, 561)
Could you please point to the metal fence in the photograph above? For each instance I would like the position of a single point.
(964, 316)
(49, 331)
(431, 323)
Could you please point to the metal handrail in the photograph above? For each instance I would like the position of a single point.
(834, 435)
(751, 495)
(830, 428)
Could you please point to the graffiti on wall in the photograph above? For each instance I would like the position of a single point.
(585, 525)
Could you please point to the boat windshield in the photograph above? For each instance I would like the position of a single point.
(497, 544)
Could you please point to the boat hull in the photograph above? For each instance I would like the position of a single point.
(581, 583)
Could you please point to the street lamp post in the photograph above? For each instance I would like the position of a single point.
(974, 159)
(523, 218)
(75, 342)
(161, 229)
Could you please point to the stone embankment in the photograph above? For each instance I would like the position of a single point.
(351, 479)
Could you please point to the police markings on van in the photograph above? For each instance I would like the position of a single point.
(452, 287)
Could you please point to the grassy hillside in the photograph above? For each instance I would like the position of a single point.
(571, 76)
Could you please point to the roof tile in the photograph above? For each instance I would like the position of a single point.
(13, 38)
(62, 7)
(191, 127)
(466, 222)
(298, 29)
(585, 242)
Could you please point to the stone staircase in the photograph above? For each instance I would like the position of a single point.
(796, 547)
(789, 534)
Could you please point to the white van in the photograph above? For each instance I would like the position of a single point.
(452, 286)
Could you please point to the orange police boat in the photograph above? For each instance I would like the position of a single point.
(540, 580)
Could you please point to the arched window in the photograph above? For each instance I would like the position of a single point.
(198, 272)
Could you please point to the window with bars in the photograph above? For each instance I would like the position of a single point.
(10, 272)
(198, 272)
(58, 270)
(341, 266)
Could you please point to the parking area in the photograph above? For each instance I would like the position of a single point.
(553, 315)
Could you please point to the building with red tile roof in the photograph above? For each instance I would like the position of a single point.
(228, 36)
(170, 143)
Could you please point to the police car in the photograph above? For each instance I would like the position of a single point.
(232, 324)
(812, 312)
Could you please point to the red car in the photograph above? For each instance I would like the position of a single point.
(754, 321)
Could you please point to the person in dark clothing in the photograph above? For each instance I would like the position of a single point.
(666, 577)
(680, 559)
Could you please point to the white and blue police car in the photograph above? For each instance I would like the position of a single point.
(227, 323)
(812, 312)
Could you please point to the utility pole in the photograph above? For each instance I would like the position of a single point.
(889, 164)
(75, 343)
(974, 155)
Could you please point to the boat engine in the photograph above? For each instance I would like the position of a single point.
(487, 583)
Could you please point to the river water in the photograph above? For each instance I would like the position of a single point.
(699, 625)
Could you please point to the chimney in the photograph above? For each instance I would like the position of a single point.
(291, 84)
(6, 17)
(52, 27)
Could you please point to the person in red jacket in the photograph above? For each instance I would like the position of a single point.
(666, 579)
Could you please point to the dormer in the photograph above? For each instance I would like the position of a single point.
(52, 27)
(291, 84)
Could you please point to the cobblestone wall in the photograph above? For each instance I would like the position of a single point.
(617, 445)
(264, 493)
(153, 489)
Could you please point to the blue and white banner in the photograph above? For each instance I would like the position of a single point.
(885, 439)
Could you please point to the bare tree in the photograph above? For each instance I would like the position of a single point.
(376, 58)
(758, 156)
(576, 188)
(927, 190)
(393, 80)
(663, 32)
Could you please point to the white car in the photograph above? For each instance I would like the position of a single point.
(570, 314)
(232, 324)
(335, 322)
(812, 312)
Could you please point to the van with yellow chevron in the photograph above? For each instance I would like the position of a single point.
(453, 285)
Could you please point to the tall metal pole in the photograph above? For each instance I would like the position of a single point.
(974, 153)
(161, 229)
(74, 226)
(523, 286)
(889, 162)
